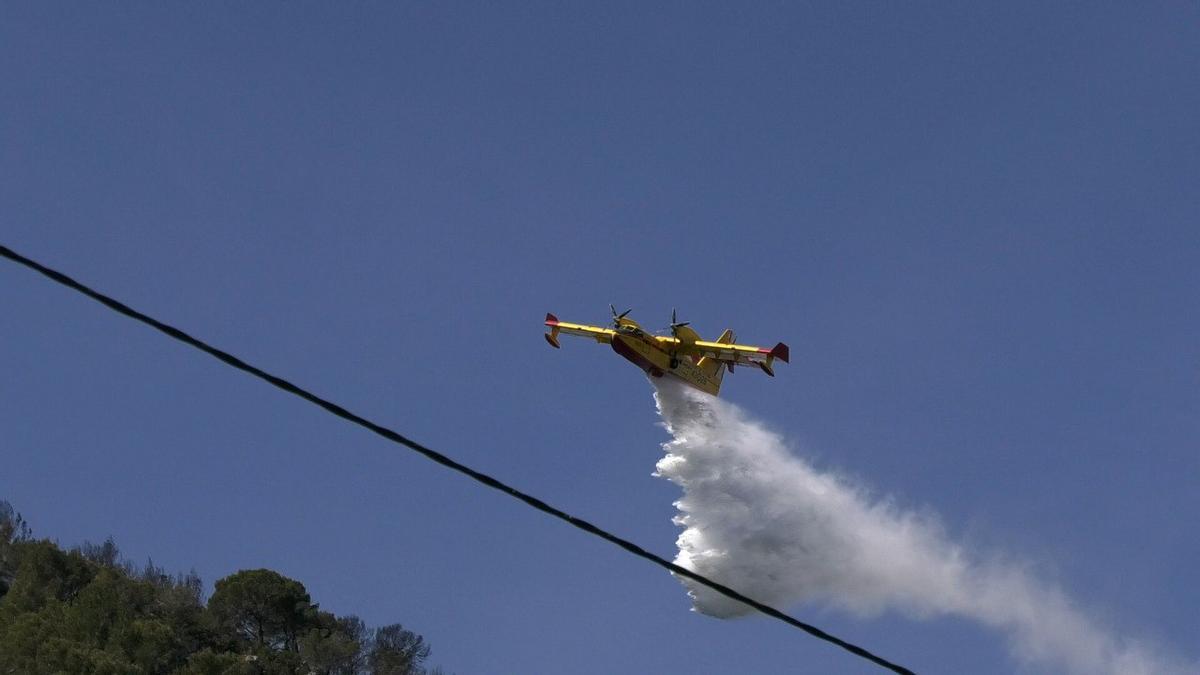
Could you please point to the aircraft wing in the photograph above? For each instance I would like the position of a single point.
(597, 333)
(737, 355)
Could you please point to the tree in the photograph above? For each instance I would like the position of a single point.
(263, 608)
(13, 527)
(13, 530)
(45, 573)
(89, 611)
(396, 651)
(122, 615)
(334, 646)
(105, 555)
(208, 662)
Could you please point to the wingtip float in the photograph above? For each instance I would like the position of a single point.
(683, 354)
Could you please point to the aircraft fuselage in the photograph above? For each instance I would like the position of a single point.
(643, 351)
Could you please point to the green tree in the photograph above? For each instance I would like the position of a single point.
(334, 646)
(89, 611)
(45, 573)
(24, 635)
(263, 608)
(13, 530)
(396, 651)
(124, 616)
(105, 555)
(208, 662)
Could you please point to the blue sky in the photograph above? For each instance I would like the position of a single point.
(975, 225)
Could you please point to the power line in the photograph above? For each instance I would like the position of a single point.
(438, 457)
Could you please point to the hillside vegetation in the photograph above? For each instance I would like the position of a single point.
(87, 611)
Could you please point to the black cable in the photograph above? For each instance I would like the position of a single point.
(446, 461)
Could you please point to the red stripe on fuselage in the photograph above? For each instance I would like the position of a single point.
(629, 353)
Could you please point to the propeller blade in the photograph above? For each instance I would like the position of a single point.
(622, 314)
(676, 324)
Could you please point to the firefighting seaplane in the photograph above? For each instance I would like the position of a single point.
(683, 354)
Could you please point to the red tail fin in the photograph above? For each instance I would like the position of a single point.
(780, 351)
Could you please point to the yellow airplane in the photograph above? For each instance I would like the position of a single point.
(682, 353)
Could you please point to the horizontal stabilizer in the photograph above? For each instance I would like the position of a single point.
(552, 336)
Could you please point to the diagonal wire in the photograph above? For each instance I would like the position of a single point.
(438, 457)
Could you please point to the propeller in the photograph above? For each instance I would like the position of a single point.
(617, 317)
(676, 324)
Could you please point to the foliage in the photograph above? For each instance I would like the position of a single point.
(397, 651)
(263, 609)
(13, 530)
(88, 611)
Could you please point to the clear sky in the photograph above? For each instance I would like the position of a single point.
(975, 224)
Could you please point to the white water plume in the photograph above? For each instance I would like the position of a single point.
(768, 524)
